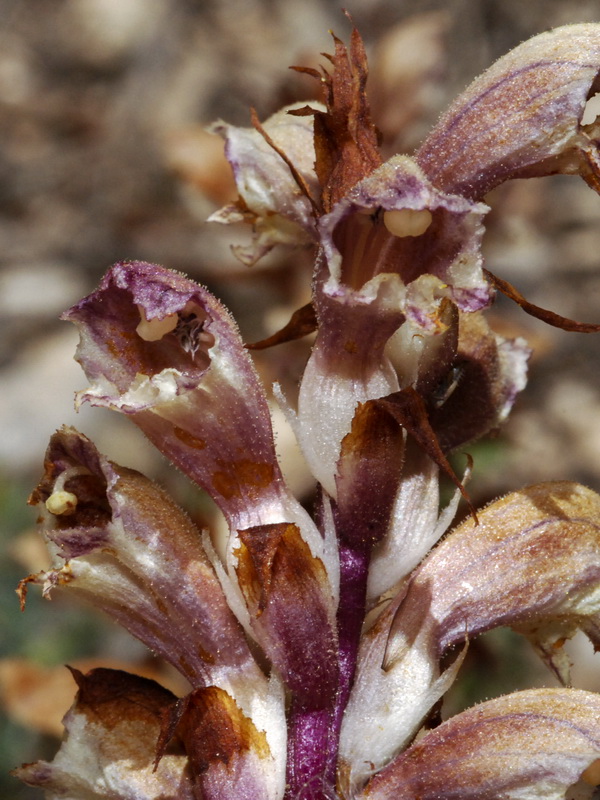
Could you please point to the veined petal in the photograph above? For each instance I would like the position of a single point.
(163, 350)
(110, 747)
(126, 547)
(532, 562)
(521, 118)
(533, 744)
(270, 197)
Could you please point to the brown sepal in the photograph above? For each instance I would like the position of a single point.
(408, 408)
(108, 696)
(546, 316)
(464, 404)
(302, 322)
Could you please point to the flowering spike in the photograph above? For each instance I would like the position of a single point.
(317, 648)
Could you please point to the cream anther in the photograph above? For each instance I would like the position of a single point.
(62, 503)
(407, 221)
(151, 330)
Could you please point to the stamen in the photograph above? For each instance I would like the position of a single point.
(445, 388)
(151, 330)
(407, 221)
(62, 503)
(191, 334)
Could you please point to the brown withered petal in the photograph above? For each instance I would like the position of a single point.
(112, 733)
(534, 559)
(520, 118)
(522, 746)
(292, 615)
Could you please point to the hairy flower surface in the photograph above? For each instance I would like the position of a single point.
(317, 647)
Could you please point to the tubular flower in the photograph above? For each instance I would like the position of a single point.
(317, 647)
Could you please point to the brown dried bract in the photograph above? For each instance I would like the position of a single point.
(346, 143)
(302, 322)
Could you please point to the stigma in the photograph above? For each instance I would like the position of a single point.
(407, 221)
(62, 503)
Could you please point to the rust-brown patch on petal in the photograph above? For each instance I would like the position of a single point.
(214, 730)
(369, 466)
(256, 559)
(187, 438)
(288, 595)
(242, 477)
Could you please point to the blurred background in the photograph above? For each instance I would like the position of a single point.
(104, 156)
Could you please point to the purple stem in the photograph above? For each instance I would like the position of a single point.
(354, 570)
(308, 764)
(313, 734)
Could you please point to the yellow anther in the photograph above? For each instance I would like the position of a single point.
(407, 221)
(151, 330)
(62, 503)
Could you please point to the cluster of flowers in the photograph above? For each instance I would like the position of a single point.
(314, 644)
